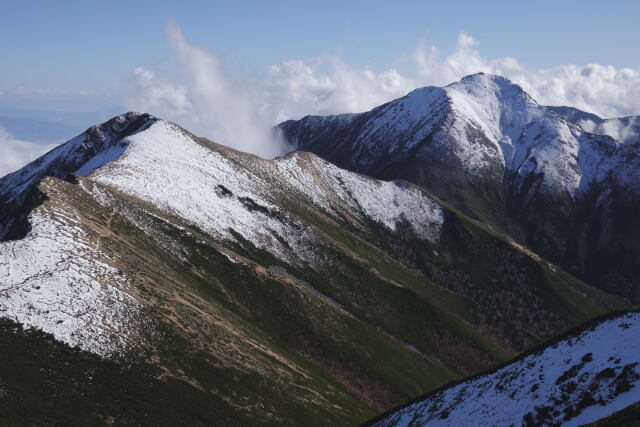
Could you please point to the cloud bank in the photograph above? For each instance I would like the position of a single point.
(15, 153)
(240, 112)
(626, 130)
(209, 102)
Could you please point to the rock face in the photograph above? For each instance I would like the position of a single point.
(588, 375)
(281, 291)
(485, 146)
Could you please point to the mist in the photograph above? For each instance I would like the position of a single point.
(209, 102)
(15, 153)
(624, 130)
(241, 111)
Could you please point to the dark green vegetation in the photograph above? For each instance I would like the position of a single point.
(44, 382)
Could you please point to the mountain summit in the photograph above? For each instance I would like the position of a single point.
(485, 146)
(96, 147)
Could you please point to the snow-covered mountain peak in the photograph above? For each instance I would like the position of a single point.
(480, 80)
(485, 146)
(483, 87)
(488, 123)
(493, 103)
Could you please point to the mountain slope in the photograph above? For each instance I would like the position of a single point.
(583, 377)
(284, 290)
(485, 146)
(45, 382)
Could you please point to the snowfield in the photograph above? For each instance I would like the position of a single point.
(57, 281)
(573, 381)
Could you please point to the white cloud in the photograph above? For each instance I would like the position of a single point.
(603, 90)
(209, 103)
(588, 125)
(15, 153)
(240, 113)
(623, 130)
(296, 88)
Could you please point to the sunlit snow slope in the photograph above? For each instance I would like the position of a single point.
(573, 381)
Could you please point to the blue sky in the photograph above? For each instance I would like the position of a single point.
(91, 46)
(231, 70)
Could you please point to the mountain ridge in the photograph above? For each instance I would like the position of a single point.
(72, 157)
(485, 146)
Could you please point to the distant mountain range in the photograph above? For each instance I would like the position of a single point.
(150, 276)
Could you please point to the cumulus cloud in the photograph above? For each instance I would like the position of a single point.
(15, 153)
(603, 90)
(209, 102)
(297, 88)
(622, 130)
(241, 112)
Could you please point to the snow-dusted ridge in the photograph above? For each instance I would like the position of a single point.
(56, 278)
(388, 203)
(81, 155)
(169, 168)
(577, 379)
(625, 130)
(485, 121)
(482, 144)
(97, 146)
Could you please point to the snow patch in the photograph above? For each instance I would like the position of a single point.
(56, 281)
(166, 167)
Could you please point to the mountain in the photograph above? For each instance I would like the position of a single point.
(151, 276)
(588, 375)
(486, 147)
